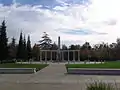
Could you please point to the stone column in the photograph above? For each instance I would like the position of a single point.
(62, 55)
(79, 55)
(51, 56)
(68, 57)
(45, 56)
(40, 56)
(74, 56)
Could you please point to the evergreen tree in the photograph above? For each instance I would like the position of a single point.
(72, 47)
(64, 47)
(25, 49)
(35, 52)
(20, 50)
(45, 43)
(3, 42)
(13, 42)
(29, 48)
(54, 46)
(12, 49)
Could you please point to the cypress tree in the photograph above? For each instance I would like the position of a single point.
(25, 49)
(12, 49)
(29, 50)
(3, 42)
(13, 42)
(20, 49)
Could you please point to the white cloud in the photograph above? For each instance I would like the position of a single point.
(101, 16)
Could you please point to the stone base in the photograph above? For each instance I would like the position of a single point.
(17, 70)
(92, 71)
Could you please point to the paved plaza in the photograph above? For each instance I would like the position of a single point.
(53, 77)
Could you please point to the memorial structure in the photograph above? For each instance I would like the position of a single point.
(59, 55)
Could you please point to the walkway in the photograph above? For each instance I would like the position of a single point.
(53, 77)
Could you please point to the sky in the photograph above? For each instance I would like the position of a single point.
(75, 21)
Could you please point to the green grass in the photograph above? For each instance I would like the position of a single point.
(112, 65)
(37, 66)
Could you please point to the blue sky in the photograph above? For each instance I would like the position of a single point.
(76, 21)
(42, 2)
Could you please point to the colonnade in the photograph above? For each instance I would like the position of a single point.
(59, 53)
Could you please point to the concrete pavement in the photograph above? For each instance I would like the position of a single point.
(53, 77)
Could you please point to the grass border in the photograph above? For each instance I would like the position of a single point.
(14, 65)
(106, 65)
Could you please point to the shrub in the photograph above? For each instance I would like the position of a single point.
(99, 85)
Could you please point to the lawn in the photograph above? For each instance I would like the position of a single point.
(37, 66)
(114, 65)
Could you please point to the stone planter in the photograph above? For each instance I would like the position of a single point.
(93, 71)
(17, 70)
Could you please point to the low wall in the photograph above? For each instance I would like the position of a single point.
(92, 71)
(17, 70)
